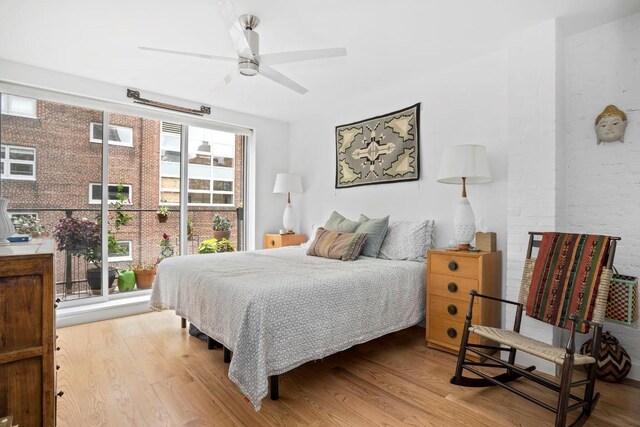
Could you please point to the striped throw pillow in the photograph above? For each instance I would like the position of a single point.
(337, 245)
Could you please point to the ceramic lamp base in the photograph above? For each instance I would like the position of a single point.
(289, 218)
(464, 224)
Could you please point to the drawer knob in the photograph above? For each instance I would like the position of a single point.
(452, 333)
(452, 309)
(452, 287)
(57, 367)
(453, 266)
(273, 243)
(60, 394)
(57, 348)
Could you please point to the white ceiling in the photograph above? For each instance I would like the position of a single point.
(387, 41)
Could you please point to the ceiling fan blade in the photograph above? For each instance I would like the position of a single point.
(277, 77)
(301, 55)
(179, 52)
(236, 32)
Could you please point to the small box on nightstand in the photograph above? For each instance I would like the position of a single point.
(486, 242)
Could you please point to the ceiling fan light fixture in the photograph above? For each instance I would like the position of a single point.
(248, 68)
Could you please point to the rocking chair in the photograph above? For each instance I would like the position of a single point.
(544, 293)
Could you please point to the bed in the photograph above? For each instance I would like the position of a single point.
(279, 308)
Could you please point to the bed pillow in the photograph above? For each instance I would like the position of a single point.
(337, 222)
(307, 244)
(408, 240)
(376, 230)
(337, 245)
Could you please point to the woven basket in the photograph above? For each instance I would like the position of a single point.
(622, 305)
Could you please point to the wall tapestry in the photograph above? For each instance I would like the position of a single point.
(379, 150)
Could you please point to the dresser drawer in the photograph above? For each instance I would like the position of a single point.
(451, 309)
(448, 332)
(454, 265)
(451, 286)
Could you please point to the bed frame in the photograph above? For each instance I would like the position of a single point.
(213, 344)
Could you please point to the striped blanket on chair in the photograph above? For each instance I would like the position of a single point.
(565, 278)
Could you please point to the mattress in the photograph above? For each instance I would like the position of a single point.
(277, 309)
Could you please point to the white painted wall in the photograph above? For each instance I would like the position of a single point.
(603, 181)
(267, 152)
(461, 105)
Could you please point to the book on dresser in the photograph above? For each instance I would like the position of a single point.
(451, 275)
(27, 333)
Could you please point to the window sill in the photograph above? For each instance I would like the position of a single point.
(96, 312)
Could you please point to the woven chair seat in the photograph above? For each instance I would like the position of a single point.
(529, 345)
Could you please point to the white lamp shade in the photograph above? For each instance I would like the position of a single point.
(468, 161)
(288, 183)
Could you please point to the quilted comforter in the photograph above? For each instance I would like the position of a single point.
(277, 309)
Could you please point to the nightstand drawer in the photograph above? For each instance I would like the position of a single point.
(451, 286)
(448, 333)
(449, 309)
(455, 265)
(279, 240)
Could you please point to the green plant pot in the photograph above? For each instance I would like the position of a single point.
(126, 280)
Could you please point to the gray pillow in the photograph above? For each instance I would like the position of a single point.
(408, 240)
(337, 222)
(376, 230)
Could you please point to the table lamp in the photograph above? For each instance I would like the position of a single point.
(288, 183)
(464, 164)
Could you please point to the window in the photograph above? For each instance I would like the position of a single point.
(33, 215)
(19, 106)
(118, 135)
(17, 162)
(125, 255)
(95, 193)
(211, 166)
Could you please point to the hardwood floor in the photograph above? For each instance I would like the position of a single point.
(146, 371)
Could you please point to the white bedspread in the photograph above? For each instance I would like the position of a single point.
(279, 308)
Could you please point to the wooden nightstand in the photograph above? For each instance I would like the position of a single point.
(279, 240)
(450, 277)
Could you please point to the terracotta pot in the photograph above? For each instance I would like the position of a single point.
(144, 278)
(219, 235)
(162, 218)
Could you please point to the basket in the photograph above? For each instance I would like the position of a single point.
(622, 304)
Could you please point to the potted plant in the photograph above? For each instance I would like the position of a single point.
(144, 273)
(166, 247)
(212, 246)
(163, 213)
(190, 228)
(221, 227)
(26, 224)
(82, 237)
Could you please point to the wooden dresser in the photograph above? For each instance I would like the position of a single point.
(450, 277)
(279, 240)
(27, 333)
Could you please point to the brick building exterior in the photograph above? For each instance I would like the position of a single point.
(67, 163)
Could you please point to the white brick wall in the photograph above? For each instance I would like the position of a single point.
(532, 157)
(603, 181)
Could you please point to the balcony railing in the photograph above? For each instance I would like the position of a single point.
(142, 237)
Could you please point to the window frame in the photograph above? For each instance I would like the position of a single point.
(33, 214)
(93, 201)
(99, 141)
(8, 161)
(6, 100)
(211, 192)
(121, 258)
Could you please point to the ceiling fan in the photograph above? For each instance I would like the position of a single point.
(249, 60)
